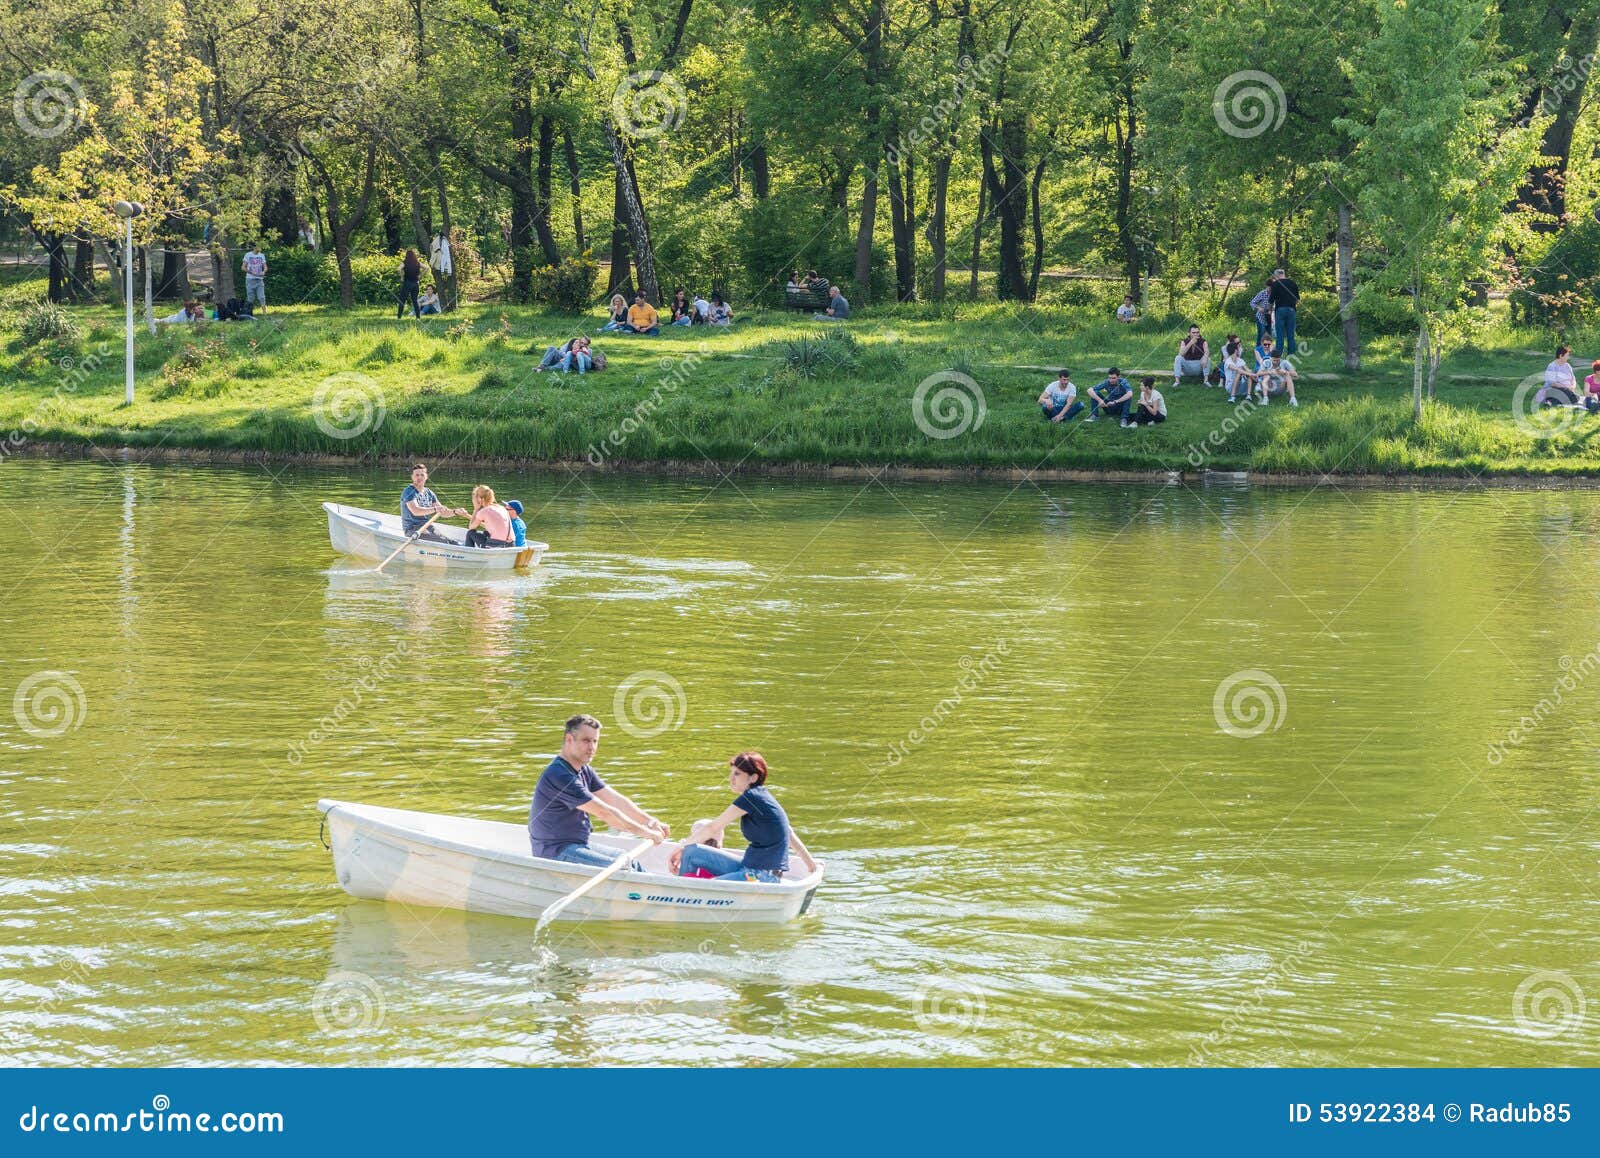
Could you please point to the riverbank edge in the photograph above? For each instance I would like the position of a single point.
(802, 472)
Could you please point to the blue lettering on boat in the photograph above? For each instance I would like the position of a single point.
(668, 900)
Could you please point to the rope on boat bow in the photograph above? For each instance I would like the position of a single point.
(322, 831)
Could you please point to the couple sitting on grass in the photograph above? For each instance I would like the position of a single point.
(574, 354)
(639, 318)
(569, 793)
(1111, 397)
(493, 524)
(1560, 387)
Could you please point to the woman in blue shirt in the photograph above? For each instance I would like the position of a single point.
(762, 820)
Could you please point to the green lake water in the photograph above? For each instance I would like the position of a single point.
(1104, 774)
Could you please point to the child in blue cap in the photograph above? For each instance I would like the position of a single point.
(519, 529)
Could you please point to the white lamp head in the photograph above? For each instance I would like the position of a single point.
(127, 208)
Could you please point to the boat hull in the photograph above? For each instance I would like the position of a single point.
(373, 535)
(480, 866)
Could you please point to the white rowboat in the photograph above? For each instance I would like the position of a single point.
(484, 866)
(374, 535)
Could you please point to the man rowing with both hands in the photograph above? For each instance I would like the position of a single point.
(419, 505)
(569, 793)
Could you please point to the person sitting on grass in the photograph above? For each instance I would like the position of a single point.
(575, 354)
(700, 310)
(428, 303)
(1560, 373)
(619, 315)
(519, 529)
(418, 504)
(1194, 357)
(767, 832)
(838, 308)
(1059, 401)
(1591, 384)
(682, 312)
(721, 313)
(1150, 407)
(490, 525)
(1110, 396)
(1277, 377)
(1127, 312)
(642, 317)
(1236, 373)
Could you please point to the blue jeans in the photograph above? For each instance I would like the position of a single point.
(1114, 409)
(613, 325)
(724, 866)
(569, 361)
(1263, 328)
(583, 854)
(255, 290)
(1072, 411)
(683, 321)
(1283, 334)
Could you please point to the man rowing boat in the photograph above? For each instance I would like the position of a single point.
(418, 504)
(569, 793)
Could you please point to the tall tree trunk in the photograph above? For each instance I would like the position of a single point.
(115, 269)
(575, 187)
(83, 268)
(977, 241)
(280, 222)
(1346, 247)
(621, 280)
(644, 257)
(1127, 125)
(1038, 230)
(760, 169)
(1007, 182)
(1546, 186)
(902, 226)
(544, 181)
(447, 284)
(174, 271)
(149, 291)
(59, 274)
(223, 286)
(1417, 365)
(938, 223)
(864, 231)
(342, 227)
(389, 221)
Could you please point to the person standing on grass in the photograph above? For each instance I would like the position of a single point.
(1110, 396)
(1059, 401)
(1194, 357)
(1261, 306)
(410, 278)
(1284, 295)
(1150, 408)
(569, 793)
(255, 277)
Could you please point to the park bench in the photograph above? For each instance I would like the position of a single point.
(804, 299)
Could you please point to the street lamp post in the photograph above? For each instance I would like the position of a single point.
(128, 210)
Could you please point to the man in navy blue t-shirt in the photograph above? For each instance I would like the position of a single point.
(569, 793)
(418, 504)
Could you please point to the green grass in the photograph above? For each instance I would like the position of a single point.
(773, 389)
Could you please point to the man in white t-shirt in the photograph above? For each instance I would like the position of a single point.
(255, 277)
(1277, 377)
(1059, 401)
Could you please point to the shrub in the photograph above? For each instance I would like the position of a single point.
(47, 321)
(821, 355)
(568, 286)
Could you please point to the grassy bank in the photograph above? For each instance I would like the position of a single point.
(464, 386)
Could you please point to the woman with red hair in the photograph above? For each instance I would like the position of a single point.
(762, 820)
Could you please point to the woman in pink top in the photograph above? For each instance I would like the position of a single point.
(491, 523)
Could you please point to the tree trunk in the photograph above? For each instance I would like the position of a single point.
(279, 219)
(575, 187)
(447, 284)
(83, 268)
(1417, 364)
(389, 217)
(1127, 122)
(174, 274)
(60, 274)
(1433, 368)
(621, 264)
(223, 287)
(638, 229)
(760, 170)
(1546, 186)
(1007, 180)
(1038, 229)
(544, 181)
(977, 241)
(864, 231)
(149, 292)
(116, 271)
(902, 228)
(1346, 246)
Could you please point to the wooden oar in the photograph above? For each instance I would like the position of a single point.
(604, 874)
(408, 542)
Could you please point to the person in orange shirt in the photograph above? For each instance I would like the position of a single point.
(642, 316)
